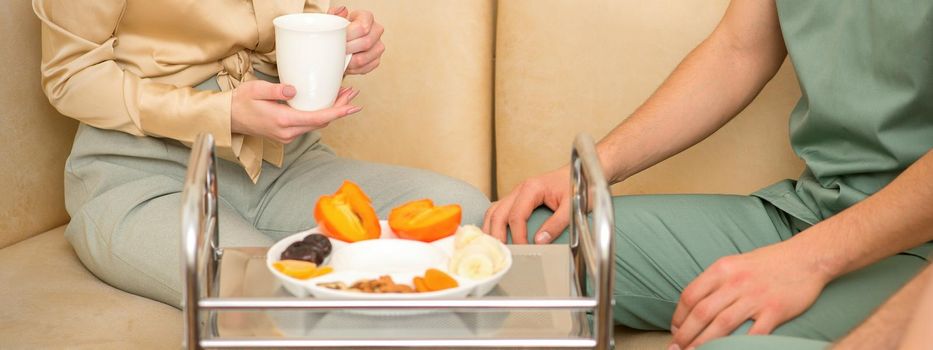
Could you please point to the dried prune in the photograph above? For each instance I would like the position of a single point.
(303, 251)
(320, 242)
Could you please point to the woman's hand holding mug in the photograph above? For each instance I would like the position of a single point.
(256, 110)
(310, 55)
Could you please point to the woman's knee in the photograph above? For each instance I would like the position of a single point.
(447, 190)
(119, 251)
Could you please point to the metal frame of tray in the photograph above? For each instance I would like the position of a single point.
(591, 248)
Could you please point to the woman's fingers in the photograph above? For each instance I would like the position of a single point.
(363, 57)
(364, 41)
(338, 11)
(263, 90)
(345, 96)
(361, 23)
(293, 123)
(292, 118)
(369, 67)
(367, 42)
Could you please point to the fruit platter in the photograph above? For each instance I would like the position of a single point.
(420, 252)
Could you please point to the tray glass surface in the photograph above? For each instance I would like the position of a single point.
(537, 271)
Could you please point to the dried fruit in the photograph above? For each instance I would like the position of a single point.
(337, 286)
(319, 242)
(433, 280)
(383, 284)
(420, 220)
(299, 269)
(303, 251)
(348, 214)
(321, 271)
(436, 280)
(313, 248)
(420, 287)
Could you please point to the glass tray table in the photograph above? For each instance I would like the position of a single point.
(231, 300)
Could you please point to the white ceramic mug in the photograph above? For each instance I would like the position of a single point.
(311, 53)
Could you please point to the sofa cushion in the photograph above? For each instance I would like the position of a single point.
(630, 339)
(49, 300)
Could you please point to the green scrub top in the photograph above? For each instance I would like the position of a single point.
(865, 70)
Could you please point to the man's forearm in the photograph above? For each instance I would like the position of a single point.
(885, 328)
(710, 86)
(894, 219)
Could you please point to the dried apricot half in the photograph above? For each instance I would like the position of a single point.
(436, 280)
(299, 269)
(420, 287)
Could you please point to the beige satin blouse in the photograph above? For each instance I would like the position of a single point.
(129, 65)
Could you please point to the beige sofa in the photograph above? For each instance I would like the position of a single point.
(487, 91)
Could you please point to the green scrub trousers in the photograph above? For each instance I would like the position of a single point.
(664, 241)
(865, 70)
(124, 196)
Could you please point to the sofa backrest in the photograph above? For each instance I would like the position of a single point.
(563, 68)
(429, 105)
(34, 138)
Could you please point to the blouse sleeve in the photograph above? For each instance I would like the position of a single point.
(83, 79)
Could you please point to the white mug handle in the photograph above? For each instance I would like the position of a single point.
(346, 63)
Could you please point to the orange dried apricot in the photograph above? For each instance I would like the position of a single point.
(321, 271)
(436, 280)
(420, 287)
(299, 269)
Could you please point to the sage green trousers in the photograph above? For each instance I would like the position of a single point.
(662, 242)
(124, 196)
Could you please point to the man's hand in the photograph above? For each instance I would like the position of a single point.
(363, 39)
(551, 189)
(255, 110)
(769, 285)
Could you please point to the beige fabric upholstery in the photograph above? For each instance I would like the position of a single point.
(630, 339)
(562, 68)
(429, 105)
(50, 301)
(34, 138)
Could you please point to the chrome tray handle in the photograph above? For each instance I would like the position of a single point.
(592, 246)
(200, 248)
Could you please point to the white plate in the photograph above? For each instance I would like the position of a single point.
(399, 258)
